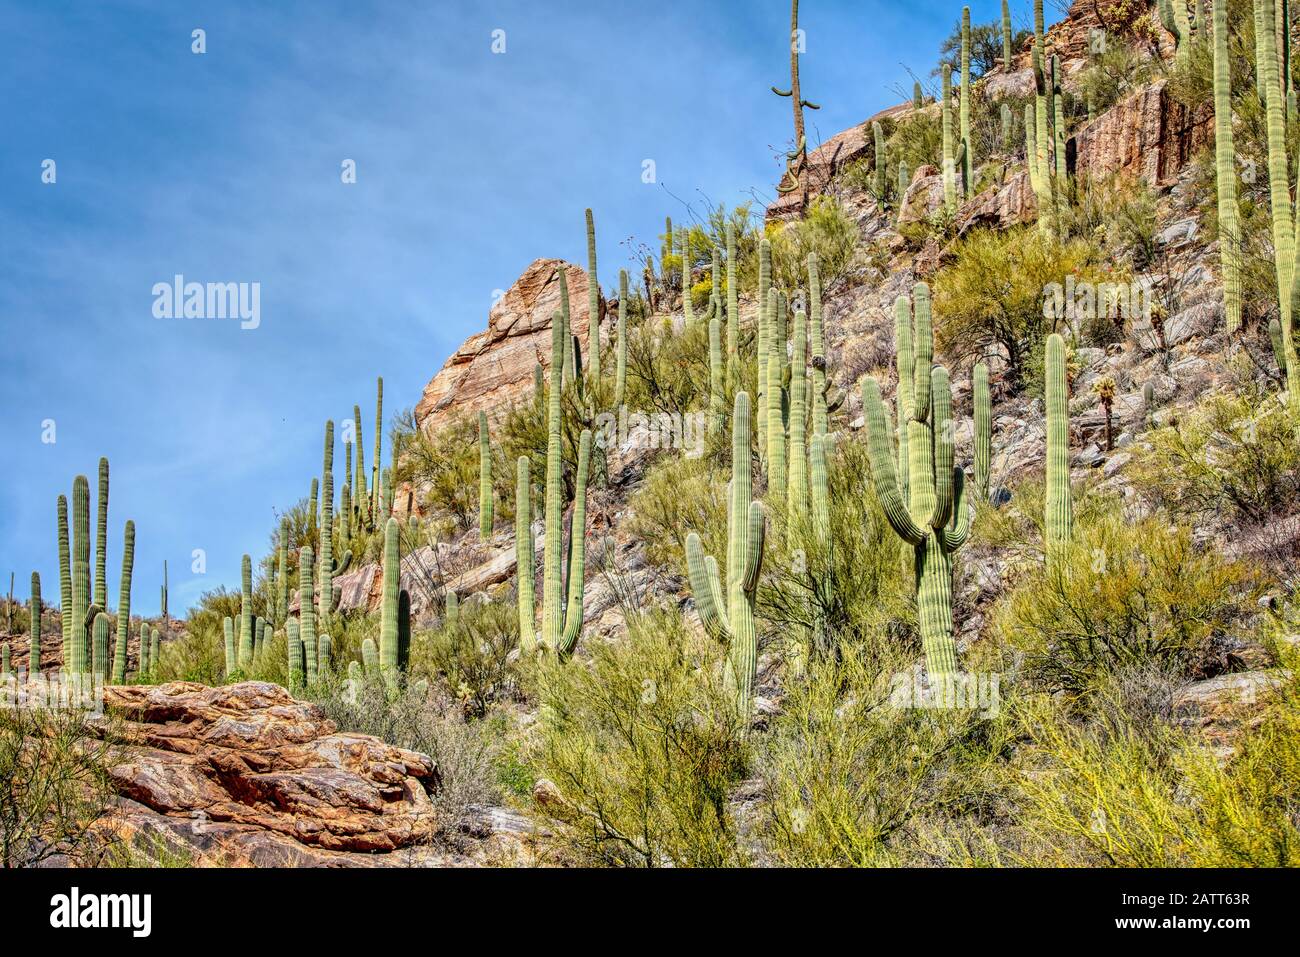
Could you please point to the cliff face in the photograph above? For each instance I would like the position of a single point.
(494, 369)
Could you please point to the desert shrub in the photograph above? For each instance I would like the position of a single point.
(1112, 74)
(642, 750)
(1233, 456)
(1115, 791)
(471, 655)
(1117, 214)
(990, 300)
(917, 141)
(985, 48)
(55, 782)
(1125, 593)
(679, 496)
(854, 778)
(826, 229)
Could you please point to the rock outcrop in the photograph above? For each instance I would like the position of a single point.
(493, 369)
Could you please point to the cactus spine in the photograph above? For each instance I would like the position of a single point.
(484, 478)
(245, 657)
(123, 603)
(101, 538)
(1059, 517)
(525, 555)
(797, 485)
(1226, 173)
(620, 358)
(306, 610)
(967, 145)
(933, 519)
(561, 625)
(731, 621)
(983, 430)
(388, 628)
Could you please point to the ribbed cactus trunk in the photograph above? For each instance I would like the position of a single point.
(1060, 514)
(370, 656)
(949, 163)
(561, 625)
(143, 662)
(1006, 36)
(99, 646)
(155, 649)
(817, 345)
(359, 493)
(484, 478)
(733, 306)
(525, 555)
(388, 628)
(717, 408)
(797, 484)
(100, 596)
(620, 332)
(231, 644)
(1278, 179)
(327, 529)
(65, 582)
(593, 306)
(882, 163)
(918, 99)
(379, 447)
(730, 620)
(1058, 122)
(246, 613)
(688, 312)
(282, 609)
(80, 658)
(776, 360)
(1226, 172)
(293, 639)
(983, 430)
(968, 151)
(764, 340)
(929, 512)
(1006, 128)
(124, 604)
(307, 610)
(34, 630)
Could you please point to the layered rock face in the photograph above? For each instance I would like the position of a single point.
(494, 369)
(246, 775)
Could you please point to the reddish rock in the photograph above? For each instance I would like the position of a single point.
(1147, 135)
(494, 369)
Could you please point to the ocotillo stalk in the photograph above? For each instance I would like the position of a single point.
(817, 345)
(484, 478)
(525, 554)
(65, 582)
(593, 305)
(729, 616)
(306, 610)
(124, 604)
(967, 94)
(733, 305)
(34, 609)
(933, 519)
(797, 485)
(1060, 514)
(101, 539)
(620, 331)
(1226, 172)
(379, 443)
(983, 431)
(388, 636)
(232, 647)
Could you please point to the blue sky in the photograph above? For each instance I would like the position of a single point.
(225, 167)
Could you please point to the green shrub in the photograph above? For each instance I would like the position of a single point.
(826, 229)
(643, 751)
(471, 654)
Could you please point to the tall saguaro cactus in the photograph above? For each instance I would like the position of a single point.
(817, 345)
(306, 610)
(377, 466)
(124, 603)
(733, 304)
(1006, 37)
(620, 331)
(101, 539)
(79, 658)
(764, 339)
(65, 582)
(389, 650)
(561, 620)
(246, 612)
(34, 646)
(776, 368)
(729, 616)
(525, 555)
(797, 485)
(796, 159)
(1060, 514)
(933, 519)
(593, 306)
(484, 478)
(967, 143)
(949, 163)
(983, 430)
(1226, 172)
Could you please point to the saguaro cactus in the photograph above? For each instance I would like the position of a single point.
(967, 92)
(797, 486)
(246, 612)
(307, 611)
(776, 368)
(124, 603)
(388, 626)
(1006, 37)
(933, 519)
(593, 306)
(34, 608)
(484, 478)
(232, 646)
(294, 640)
(730, 619)
(817, 345)
(1226, 172)
(882, 163)
(142, 665)
(379, 447)
(620, 331)
(764, 339)
(1060, 515)
(65, 582)
(733, 304)
(716, 373)
(101, 539)
(561, 625)
(525, 554)
(80, 659)
(949, 163)
(983, 430)
(99, 646)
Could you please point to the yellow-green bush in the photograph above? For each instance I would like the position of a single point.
(827, 230)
